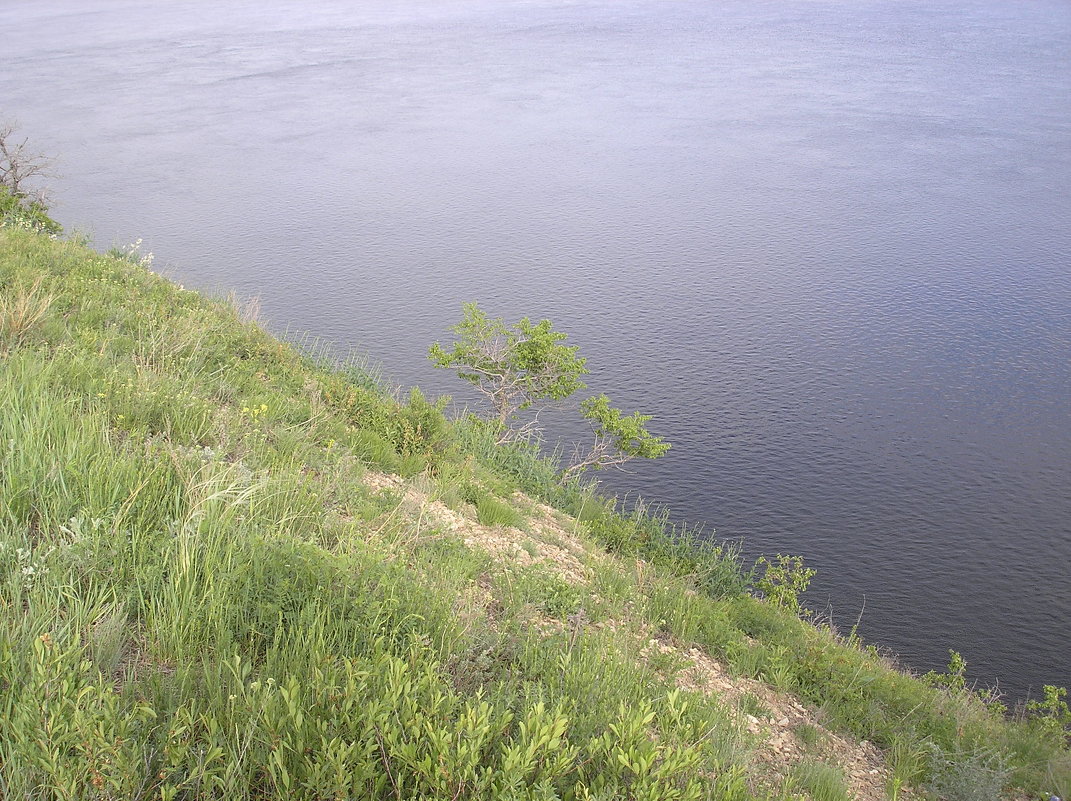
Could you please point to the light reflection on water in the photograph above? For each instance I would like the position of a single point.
(825, 242)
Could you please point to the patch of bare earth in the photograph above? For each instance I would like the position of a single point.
(550, 541)
(137, 662)
(547, 542)
(780, 746)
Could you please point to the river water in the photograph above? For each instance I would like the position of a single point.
(825, 242)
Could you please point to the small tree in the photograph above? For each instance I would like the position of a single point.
(514, 366)
(784, 581)
(19, 165)
(617, 438)
(518, 366)
(21, 206)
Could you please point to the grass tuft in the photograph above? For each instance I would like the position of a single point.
(22, 310)
(492, 512)
(820, 781)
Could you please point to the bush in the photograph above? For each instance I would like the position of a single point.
(784, 581)
(16, 212)
(968, 775)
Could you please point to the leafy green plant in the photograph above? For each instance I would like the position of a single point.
(953, 679)
(1052, 710)
(545, 591)
(778, 670)
(421, 429)
(784, 580)
(617, 438)
(651, 769)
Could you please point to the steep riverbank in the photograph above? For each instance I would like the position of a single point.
(232, 570)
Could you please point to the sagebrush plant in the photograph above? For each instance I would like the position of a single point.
(975, 774)
(203, 594)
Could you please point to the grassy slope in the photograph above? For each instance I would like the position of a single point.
(229, 571)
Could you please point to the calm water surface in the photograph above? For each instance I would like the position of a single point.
(825, 242)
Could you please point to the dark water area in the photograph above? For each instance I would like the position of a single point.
(825, 243)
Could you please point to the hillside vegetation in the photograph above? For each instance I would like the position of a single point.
(231, 569)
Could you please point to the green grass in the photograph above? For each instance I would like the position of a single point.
(808, 734)
(492, 512)
(821, 782)
(201, 596)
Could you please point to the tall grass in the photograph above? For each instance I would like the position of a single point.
(821, 781)
(20, 311)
